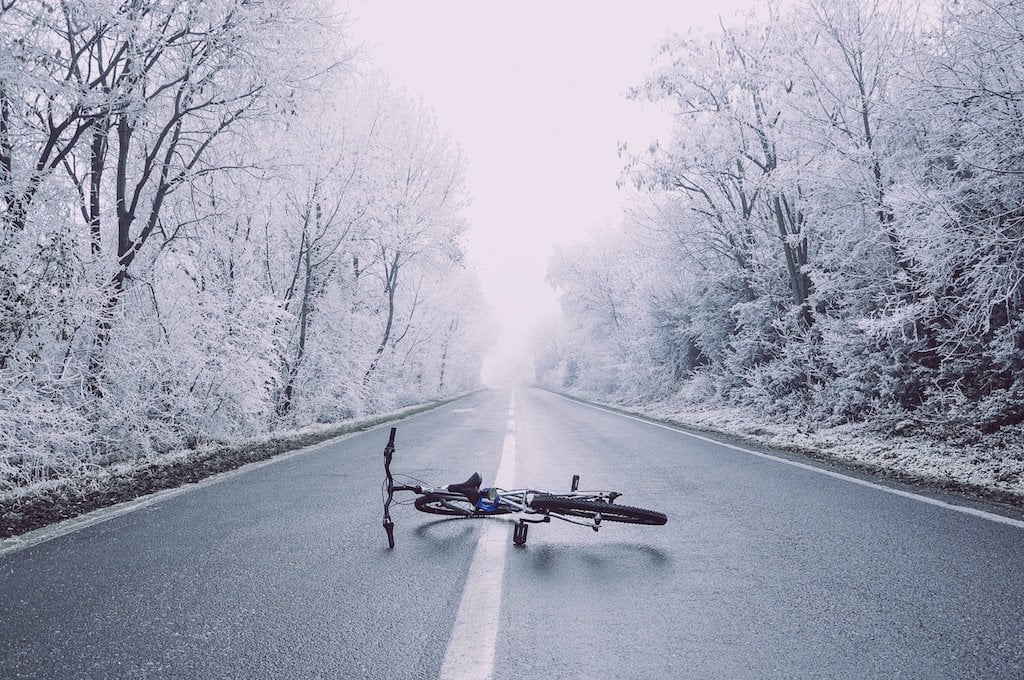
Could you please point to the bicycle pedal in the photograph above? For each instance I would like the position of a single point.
(519, 533)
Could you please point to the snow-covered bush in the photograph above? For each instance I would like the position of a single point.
(839, 217)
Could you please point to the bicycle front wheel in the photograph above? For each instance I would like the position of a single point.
(453, 506)
(610, 512)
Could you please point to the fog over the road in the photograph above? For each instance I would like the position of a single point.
(535, 94)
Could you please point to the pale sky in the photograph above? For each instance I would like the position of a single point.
(533, 92)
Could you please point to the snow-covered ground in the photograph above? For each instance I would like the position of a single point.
(30, 507)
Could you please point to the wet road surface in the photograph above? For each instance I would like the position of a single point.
(764, 570)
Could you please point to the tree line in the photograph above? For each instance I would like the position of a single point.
(832, 233)
(215, 222)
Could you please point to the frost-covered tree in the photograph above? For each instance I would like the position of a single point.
(837, 220)
(733, 184)
(964, 202)
(414, 225)
(214, 226)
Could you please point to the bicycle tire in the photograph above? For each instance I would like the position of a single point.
(440, 504)
(610, 512)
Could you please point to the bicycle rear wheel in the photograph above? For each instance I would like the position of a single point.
(453, 506)
(610, 512)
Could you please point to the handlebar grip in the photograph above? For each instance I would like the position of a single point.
(391, 439)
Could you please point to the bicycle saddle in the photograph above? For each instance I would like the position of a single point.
(469, 488)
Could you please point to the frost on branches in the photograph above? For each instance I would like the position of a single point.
(832, 234)
(212, 226)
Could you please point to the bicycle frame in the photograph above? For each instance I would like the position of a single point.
(469, 499)
(516, 501)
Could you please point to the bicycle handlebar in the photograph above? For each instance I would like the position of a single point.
(389, 482)
(389, 451)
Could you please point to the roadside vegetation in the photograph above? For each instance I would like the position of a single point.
(216, 225)
(830, 241)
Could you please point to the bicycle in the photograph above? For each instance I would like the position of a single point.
(468, 500)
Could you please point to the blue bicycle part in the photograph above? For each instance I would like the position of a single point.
(485, 496)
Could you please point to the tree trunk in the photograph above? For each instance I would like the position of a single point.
(452, 327)
(97, 163)
(284, 405)
(6, 151)
(796, 257)
(391, 282)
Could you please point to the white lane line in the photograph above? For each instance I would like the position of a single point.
(991, 516)
(474, 639)
(70, 526)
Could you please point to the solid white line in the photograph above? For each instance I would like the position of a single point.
(991, 516)
(474, 638)
(70, 526)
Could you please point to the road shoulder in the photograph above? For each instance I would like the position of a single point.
(944, 485)
(62, 501)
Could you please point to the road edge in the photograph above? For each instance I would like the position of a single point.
(196, 472)
(994, 500)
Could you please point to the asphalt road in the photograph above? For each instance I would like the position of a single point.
(765, 570)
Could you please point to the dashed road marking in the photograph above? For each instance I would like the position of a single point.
(474, 638)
